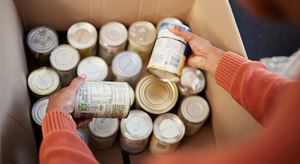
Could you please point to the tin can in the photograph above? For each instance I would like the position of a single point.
(41, 41)
(169, 54)
(43, 81)
(142, 36)
(135, 131)
(103, 132)
(127, 66)
(83, 37)
(64, 59)
(192, 81)
(168, 131)
(170, 20)
(156, 96)
(112, 40)
(82, 136)
(103, 99)
(94, 68)
(193, 111)
(38, 111)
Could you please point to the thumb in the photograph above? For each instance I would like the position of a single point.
(188, 36)
(77, 82)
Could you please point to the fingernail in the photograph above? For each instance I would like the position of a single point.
(82, 76)
(171, 27)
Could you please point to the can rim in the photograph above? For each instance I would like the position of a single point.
(171, 20)
(63, 50)
(108, 27)
(200, 75)
(114, 126)
(203, 109)
(39, 105)
(150, 38)
(163, 75)
(97, 63)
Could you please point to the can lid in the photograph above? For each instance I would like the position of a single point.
(192, 81)
(170, 20)
(156, 96)
(137, 126)
(127, 64)
(163, 75)
(64, 58)
(95, 68)
(42, 39)
(103, 127)
(195, 109)
(113, 34)
(182, 26)
(131, 93)
(38, 111)
(142, 33)
(43, 81)
(82, 35)
(168, 128)
(82, 135)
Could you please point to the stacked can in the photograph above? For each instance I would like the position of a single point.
(170, 20)
(82, 136)
(112, 40)
(135, 131)
(192, 81)
(142, 35)
(38, 111)
(94, 68)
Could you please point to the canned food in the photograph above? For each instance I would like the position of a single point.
(170, 20)
(169, 54)
(103, 99)
(94, 68)
(156, 96)
(135, 131)
(168, 130)
(82, 136)
(103, 132)
(127, 66)
(193, 111)
(38, 111)
(142, 35)
(41, 41)
(43, 81)
(112, 40)
(192, 81)
(64, 60)
(83, 37)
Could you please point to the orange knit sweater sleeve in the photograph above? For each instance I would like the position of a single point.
(61, 144)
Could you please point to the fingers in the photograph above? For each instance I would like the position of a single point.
(81, 122)
(77, 82)
(188, 36)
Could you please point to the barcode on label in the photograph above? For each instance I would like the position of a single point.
(174, 61)
(161, 146)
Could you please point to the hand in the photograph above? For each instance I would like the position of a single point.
(204, 55)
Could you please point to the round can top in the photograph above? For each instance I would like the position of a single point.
(103, 127)
(195, 109)
(182, 26)
(113, 34)
(82, 35)
(137, 126)
(170, 20)
(64, 58)
(42, 39)
(156, 96)
(127, 64)
(142, 33)
(38, 111)
(168, 128)
(43, 81)
(192, 81)
(94, 68)
(131, 94)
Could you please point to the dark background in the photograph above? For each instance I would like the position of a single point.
(264, 38)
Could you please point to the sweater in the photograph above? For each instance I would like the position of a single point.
(271, 99)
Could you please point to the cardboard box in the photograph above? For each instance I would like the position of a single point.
(212, 19)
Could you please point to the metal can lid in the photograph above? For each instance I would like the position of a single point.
(142, 33)
(103, 127)
(113, 34)
(127, 64)
(42, 39)
(131, 94)
(168, 128)
(43, 81)
(82, 35)
(182, 26)
(156, 96)
(38, 111)
(192, 81)
(163, 75)
(195, 109)
(64, 58)
(137, 126)
(82, 135)
(170, 20)
(95, 68)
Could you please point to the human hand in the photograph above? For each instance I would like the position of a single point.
(204, 55)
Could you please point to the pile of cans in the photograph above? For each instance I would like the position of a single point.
(138, 90)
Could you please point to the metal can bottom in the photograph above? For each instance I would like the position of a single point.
(164, 75)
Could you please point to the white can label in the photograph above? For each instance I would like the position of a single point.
(158, 147)
(133, 146)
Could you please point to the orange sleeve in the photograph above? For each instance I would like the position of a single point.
(60, 142)
(251, 84)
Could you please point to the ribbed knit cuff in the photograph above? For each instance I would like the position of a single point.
(57, 120)
(227, 69)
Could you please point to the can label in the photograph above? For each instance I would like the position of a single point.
(143, 51)
(109, 52)
(103, 143)
(158, 147)
(133, 146)
(103, 99)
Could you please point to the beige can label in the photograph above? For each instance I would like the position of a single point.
(133, 146)
(158, 147)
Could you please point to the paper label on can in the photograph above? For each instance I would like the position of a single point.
(133, 146)
(157, 146)
(103, 143)
(168, 55)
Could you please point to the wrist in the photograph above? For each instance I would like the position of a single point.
(213, 59)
